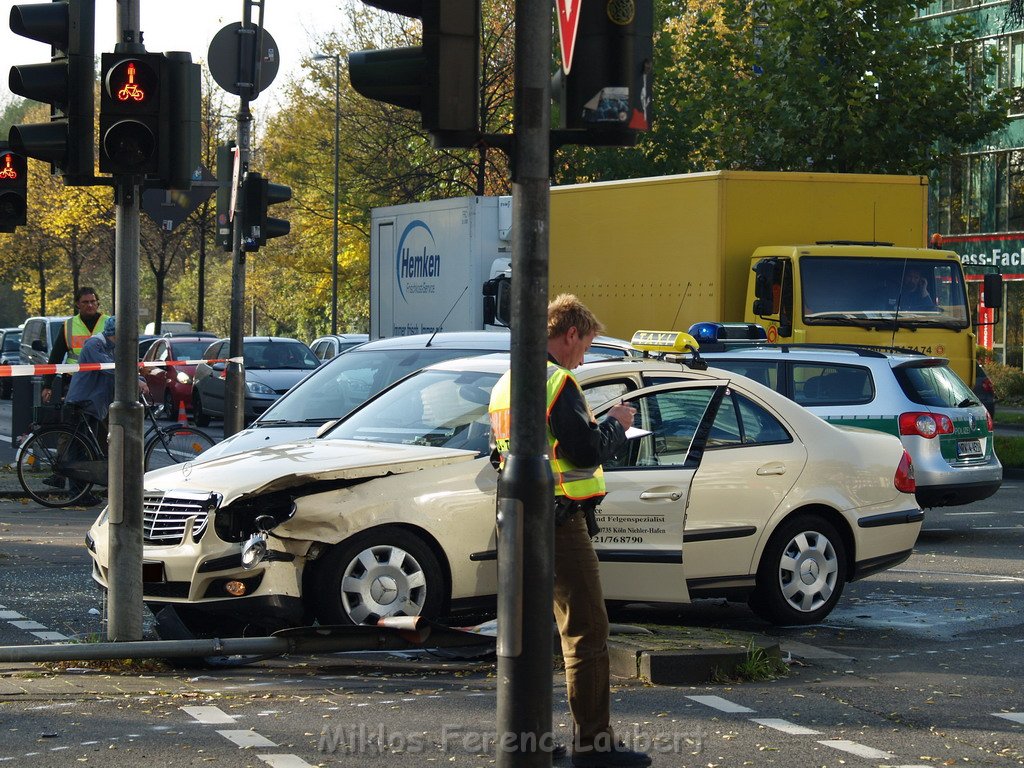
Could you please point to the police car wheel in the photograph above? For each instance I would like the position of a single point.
(802, 572)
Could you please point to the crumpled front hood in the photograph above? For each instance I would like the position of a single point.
(295, 464)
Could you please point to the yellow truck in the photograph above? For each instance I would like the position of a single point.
(813, 257)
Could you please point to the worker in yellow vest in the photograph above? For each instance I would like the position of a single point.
(577, 445)
(87, 321)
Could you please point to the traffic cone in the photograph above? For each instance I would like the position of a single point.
(182, 416)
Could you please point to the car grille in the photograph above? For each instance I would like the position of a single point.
(164, 515)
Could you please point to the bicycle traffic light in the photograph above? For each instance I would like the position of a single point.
(131, 92)
(180, 116)
(13, 189)
(258, 195)
(440, 78)
(67, 84)
(608, 92)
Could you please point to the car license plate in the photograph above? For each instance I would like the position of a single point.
(153, 572)
(966, 448)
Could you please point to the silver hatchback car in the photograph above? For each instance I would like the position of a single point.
(945, 429)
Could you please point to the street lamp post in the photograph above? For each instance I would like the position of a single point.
(337, 120)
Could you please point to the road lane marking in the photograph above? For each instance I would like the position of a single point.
(853, 748)
(28, 624)
(247, 739)
(51, 636)
(210, 715)
(284, 761)
(8, 615)
(723, 705)
(785, 726)
(1017, 717)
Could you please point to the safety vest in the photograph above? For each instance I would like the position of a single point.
(573, 482)
(76, 333)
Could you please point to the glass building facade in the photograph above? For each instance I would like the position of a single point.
(976, 204)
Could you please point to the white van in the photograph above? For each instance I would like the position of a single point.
(168, 326)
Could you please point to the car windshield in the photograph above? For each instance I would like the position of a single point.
(936, 386)
(11, 342)
(189, 350)
(350, 380)
(436, 408)
(278, 355)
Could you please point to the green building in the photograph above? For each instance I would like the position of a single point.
(976, 206)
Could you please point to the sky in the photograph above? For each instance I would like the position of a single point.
(189, 25)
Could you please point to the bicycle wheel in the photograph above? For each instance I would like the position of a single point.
(55, 467)
(175, 444)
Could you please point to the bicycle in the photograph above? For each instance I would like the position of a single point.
(58, 465)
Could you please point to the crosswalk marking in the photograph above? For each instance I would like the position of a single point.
(860, 750)
(247, 739)
(210, 715)
(785, 726)
(722, 705)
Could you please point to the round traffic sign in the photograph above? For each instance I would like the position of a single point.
(223, 60)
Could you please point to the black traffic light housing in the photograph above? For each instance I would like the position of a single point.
(258, 195)
(607, 93)
(440, 78)
(179, 135)
(13, 189)
(132, 96)
(67, 84)
(225, 191)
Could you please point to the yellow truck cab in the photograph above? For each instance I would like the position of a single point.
(867, 294)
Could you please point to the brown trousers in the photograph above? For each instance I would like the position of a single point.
(583, 627)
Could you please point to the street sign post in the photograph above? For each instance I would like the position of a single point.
(568, 23)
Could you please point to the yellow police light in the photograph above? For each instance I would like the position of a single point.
(664, 341)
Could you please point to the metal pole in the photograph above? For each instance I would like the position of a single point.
(124, 605)
(526, 491)
(234, 394)
(337, 150)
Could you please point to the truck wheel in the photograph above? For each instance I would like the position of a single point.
(802, 572)
(386, 571)
(202, 418)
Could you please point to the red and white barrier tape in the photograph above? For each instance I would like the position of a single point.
(48, 369)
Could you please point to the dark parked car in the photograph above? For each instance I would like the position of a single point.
(10, 339)
(273, 365)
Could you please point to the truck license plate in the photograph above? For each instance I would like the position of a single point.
(966, 448)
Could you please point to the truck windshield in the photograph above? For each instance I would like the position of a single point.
(873, 292)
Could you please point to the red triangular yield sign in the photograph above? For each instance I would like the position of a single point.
(568, 21)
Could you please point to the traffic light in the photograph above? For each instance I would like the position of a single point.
(179, 123)
(131, 96)
(440, 78)
(608, 91)
(258, 195)
(67, 84)
(13, 189)
(225, 193)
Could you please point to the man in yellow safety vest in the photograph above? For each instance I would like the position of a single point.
(87, 321)
(577, 445)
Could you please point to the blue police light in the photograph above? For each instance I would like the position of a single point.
(707, 333)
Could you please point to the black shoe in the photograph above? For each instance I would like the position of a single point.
(618, 757)
(54, 481)
(559, 751)
(89, 500)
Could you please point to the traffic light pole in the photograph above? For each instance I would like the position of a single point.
(234, 394)
(124, 607)
(525, 490)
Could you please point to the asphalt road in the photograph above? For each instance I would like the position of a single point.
(918, 666)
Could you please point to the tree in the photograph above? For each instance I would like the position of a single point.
(808, 85)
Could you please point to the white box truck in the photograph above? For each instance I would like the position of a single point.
(428, 262)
